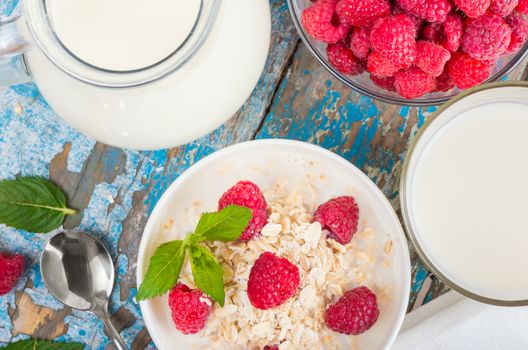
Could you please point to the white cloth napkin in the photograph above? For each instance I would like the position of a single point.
(453, 322)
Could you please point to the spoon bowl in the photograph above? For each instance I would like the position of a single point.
(78, 271)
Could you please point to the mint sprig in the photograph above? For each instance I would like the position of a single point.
(163, 271)
(166, 263)
(34, 344)
(33, 204)
(207, 272)
(226, 225)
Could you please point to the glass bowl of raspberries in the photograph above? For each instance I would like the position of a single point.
(414, 52)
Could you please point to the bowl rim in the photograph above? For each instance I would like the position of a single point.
(405, 211)
(419, 102)
(263, 143)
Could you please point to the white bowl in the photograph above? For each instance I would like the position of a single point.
(262, 162)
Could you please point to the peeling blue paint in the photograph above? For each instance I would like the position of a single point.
(420, 275)
(7, 6)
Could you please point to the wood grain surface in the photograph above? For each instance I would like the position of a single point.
(115, 190)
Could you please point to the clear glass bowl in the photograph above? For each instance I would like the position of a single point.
(364, 85)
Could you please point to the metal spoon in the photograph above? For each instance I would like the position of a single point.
(78, 270)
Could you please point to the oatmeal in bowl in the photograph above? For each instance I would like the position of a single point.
(321, 260)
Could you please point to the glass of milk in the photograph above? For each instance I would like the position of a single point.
(464, 195)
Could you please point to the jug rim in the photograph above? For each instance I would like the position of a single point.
(40, 27)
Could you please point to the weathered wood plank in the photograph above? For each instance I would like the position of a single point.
(117, 189)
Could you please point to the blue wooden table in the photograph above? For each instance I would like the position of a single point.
(117, 189)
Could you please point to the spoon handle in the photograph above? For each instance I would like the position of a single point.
(110, 328)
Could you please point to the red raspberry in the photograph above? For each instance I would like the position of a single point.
(272, 281)
(433, 32)
(444, 82)
(473, 8)
(271, 347)
(431, 58)
(394, 38)
(380, 66)
(340, 216)
(522, 7)
(360, 42)
(519, 28)
(430, 10)
(486, 37)
(386, 83)
(397, 10)
(190, 308)
(362, 12)
(11, 268)
(247, 194)
(342, 58)
(413, 82)
(354, 313)
(503, 7)
(453, 29)
(322, 23)
(467, 71)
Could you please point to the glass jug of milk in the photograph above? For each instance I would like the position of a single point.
(136, 74)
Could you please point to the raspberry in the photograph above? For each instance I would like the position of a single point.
(354, 313)
(397, 10)
(467, 71)
(448, 34)
(11, 268)
(340, 216)
(413, 82)
(522, 7)
(503, 7)
(444, 82)
(431, 58)
(360, 42)
(386, 83)
(430, 10)
(190, 308)
(380, 66)
(271, 347)
(519, 28)
(486, 37)
(473, 8)
(247, 194)
(342, 58)
(321, 22)
(453, 29)
(433, 32)
(362, 12)
(393, 38)
(272, 281)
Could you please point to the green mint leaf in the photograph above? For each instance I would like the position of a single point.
(33, 204)
(226, 225)
(34, 344)
(163, 271)
(207, 272)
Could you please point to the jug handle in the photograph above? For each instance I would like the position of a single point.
(13, 69)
